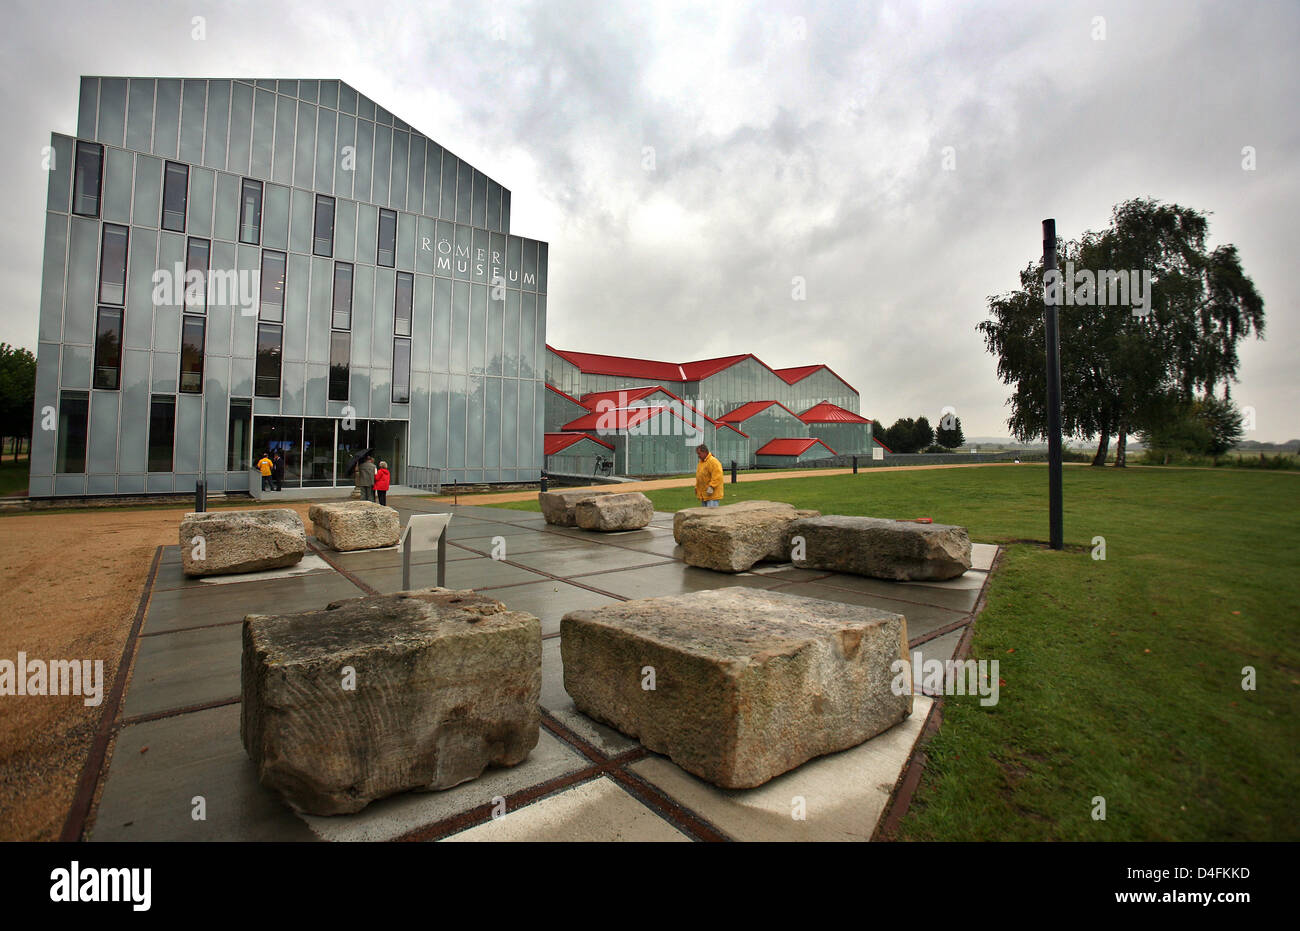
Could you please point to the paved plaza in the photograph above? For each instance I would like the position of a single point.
(177, 730)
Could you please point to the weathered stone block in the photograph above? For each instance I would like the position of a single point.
(558, 506)
(746, 684)
(626, 511)
(354, 525)
(225, 542)
(445, 683)
(884, 549)
(734, 537)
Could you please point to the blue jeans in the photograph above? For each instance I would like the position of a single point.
(712, 504)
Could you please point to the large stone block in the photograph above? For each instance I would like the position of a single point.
(884, 549)
(734, 537)
(558, 506)
(354, 525)
(747, 684)
(445, 683)
(225, 542)
(626, 511)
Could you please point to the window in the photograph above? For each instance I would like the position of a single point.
(272, 308)
(401, 371)
(88, 178)
(239, 440)
(74, 411)
(250, 213)
(112, 265)
(192, 331)
(162, 432)
(323, 235)
(402, 304)
(196, 286)
(108, 348)
(387, 238)
(268, 360)
(176, 180)
(342, 316)
(340, 359)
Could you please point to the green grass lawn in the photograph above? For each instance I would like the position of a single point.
(1123, 677)
(13, 476)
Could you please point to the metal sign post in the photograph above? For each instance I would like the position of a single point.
(424, 532)
(1053, 340)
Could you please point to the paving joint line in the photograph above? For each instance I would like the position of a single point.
(365, 587)
(176, 712)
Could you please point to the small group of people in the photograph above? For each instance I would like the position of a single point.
(372, 480)
(271, 465)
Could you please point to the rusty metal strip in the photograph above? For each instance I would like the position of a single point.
(368, 589)
(939, 632)
(174, 712)
(181, 630)
(75, 823)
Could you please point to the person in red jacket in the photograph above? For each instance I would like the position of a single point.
(382, 481)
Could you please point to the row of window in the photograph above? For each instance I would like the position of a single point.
(74, 417)
(89, 179)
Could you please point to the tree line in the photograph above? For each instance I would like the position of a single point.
(914, 436)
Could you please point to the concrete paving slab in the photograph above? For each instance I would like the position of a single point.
(485, 530)
(149, 793)
(569, 561)
(461, 573)
(672, 579)
(540, 543)
(392, 556)
(921, 619)
(548, 601)
(842, 795)
(178, 670)
(940, 648)
(659, 544)
(971, 579)
(186, 607)
(924, 594)
(787, 573)
(557, 701)
(981, 555)
(392, 817)
(309, 563)
(595, 811)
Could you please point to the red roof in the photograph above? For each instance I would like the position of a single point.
(592, 400)
(562, 394)
(596, 364)
(826, 412)
(694, 371)
(881, 445)
(746, 411)
(614, 419)
(800, 372)
(790, 446)
(557, 441)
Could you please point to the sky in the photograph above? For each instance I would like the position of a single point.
(839, 183)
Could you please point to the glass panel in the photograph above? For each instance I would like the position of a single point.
(273, 266)
(239, 438)
(401, 371)
(176, 181)
(162, 432)
(387, 245)
(286, 118)
(323, 235)
(350, 442)
(192, 354)
(196, 275)
(402, 304)
(108, 348)
(112, 265)
(388, 438)
(318, 452)
(214, 148)
(250, 213)
(193, 105)
(263, 133)
(280, 436)
(342, 316)
(268, 361)
(340, 355)
(89, 177)
(74, 410)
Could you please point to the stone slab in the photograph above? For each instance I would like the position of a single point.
(614, 513)
(225, 541)
(558, 506)
(748, 684)
(886, 549)
(354, 525)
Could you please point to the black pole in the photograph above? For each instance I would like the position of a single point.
(200, 496)
(855, 465)
(543, 482)
(733, 471)
(1053, 340)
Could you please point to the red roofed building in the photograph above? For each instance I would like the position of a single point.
(787, 451)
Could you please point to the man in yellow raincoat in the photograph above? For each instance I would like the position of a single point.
(708, 478)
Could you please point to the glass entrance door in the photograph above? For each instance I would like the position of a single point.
(388, 438)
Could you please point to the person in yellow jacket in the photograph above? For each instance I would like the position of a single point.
(264, 465)
(708, 478)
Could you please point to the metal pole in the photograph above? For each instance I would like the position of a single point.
(406, 561)
(855, 465)
(543, 483)
(1053, 340)
(733, 471)
(442, 558)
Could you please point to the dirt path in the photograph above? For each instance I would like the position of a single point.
(72, 583)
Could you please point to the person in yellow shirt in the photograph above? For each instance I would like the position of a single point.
(708, 478)
(264, 465)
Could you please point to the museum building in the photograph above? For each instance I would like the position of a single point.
(235, 267)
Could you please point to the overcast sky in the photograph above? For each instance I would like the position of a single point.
(687, 162)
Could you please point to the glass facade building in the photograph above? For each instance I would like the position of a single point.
(233, 267)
